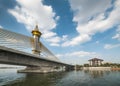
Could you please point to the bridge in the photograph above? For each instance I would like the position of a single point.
(18, 49)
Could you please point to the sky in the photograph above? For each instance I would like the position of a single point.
(74, 30)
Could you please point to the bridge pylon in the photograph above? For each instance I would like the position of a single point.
(36, 35)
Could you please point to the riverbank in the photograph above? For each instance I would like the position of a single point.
(101, 68)
(97, 68)
(115, 68)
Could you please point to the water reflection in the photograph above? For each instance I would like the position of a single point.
(96, 73)
(73, 78)
(39, 79)
(10, 76)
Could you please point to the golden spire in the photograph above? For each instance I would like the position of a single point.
(36, 31)
(36, 35)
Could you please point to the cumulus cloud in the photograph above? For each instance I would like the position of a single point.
(110, 46)
(78, 54)
(92, 17)
(32, 12)
(85, 9)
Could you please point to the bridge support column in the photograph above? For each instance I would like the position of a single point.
(69, 68)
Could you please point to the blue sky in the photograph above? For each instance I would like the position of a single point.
(74, 30)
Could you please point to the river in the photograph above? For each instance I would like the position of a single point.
(9, 77)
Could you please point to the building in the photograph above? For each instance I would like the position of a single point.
(95, 62)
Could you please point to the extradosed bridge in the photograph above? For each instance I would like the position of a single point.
(17, 49)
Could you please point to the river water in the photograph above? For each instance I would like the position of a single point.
(9, 77)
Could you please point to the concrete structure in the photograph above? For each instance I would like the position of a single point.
(34, 62)
(95, 62)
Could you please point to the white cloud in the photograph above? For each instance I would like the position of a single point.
(78, 54)
(85, 9)
(49, 34)
(117, 36)
(55, 44)
(65, 37)
(110, 46)
(79, 39)
(1, 26)
(57, 18)
(54, 39)
(91, 18)
(32, 12)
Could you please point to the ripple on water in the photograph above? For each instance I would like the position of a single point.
(73, 78)
(9, 76)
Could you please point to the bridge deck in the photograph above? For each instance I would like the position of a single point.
(32, 56)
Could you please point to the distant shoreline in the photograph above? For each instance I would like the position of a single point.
(115, 68)
(101, 68)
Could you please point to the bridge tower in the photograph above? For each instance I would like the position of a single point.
(36, 35)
